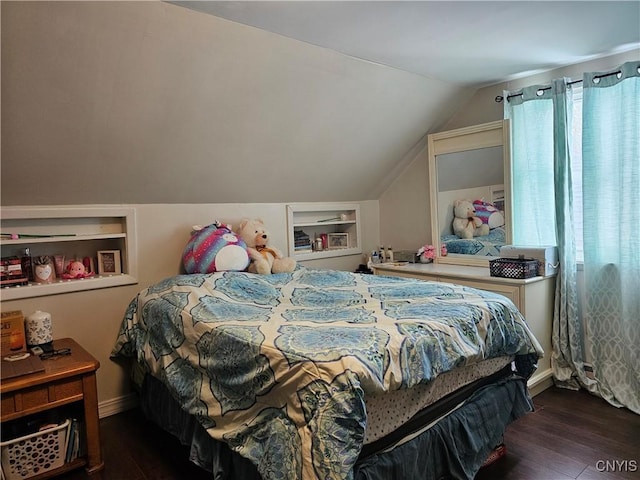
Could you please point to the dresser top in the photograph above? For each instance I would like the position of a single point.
(449, 271)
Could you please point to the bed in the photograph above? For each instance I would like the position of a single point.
(484, 245)
(329, 374)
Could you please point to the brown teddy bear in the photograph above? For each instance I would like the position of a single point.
(265, 259)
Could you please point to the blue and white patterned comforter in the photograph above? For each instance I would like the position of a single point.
(277, 366)
(484, 246)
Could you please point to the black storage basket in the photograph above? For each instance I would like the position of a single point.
(513, 268)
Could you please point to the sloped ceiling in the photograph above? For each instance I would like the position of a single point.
(470, 43)
(149, 102)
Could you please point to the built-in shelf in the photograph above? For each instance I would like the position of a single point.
(60, 238)
(66, 286)
(74, 232)
(340, 222)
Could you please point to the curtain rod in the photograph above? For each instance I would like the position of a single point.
(500, 98)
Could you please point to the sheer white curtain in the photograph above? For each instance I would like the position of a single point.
(531, 115)
(611, 185)
(543, 200)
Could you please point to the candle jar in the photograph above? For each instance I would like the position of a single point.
(16, 340)
(58, 261)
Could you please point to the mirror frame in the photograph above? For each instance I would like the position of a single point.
(493, 134)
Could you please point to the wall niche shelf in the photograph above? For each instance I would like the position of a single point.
(308, 221)
(75, 232)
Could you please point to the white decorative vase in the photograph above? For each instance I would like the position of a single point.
(38, 329)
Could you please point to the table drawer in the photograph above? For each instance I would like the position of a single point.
(8, 404)
(68, 389)
(509, 291)
(41, 397)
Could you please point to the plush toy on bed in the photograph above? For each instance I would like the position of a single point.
(489, 214)
(214, 248)
(465, 222)
(265, 259)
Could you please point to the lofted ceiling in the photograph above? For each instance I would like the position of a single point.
(471, 43)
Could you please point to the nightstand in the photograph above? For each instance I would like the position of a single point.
(66, 380)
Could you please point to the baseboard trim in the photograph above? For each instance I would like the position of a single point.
(540, 381)
(117, 405)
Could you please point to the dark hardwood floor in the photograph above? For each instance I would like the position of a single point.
(571, 435)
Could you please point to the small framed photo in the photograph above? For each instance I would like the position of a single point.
(338, 240)
(109, 262)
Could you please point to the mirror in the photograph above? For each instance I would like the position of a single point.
(470, 164)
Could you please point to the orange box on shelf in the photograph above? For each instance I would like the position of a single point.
(12, 338)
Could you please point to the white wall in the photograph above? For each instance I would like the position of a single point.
(150, 102)
(405, 218)
(93, 317)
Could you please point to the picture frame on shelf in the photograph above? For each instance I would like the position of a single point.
(109, 262)
(338, 240)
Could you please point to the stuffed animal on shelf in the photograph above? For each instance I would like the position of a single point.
(76, 270)
(265, 259)
(214, 248)
(465, 222)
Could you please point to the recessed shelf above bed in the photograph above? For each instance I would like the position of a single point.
(337, 225)
(75, 232)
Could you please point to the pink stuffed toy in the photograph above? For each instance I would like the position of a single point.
(75, 270)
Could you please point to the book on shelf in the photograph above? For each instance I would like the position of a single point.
(67, 440)
(74, 443)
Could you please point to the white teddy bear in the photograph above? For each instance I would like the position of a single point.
(265, 259)
(465, 222)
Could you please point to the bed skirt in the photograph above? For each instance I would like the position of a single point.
(458, 435)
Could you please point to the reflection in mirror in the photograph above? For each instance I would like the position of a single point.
(476, 176)
(470, 164)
